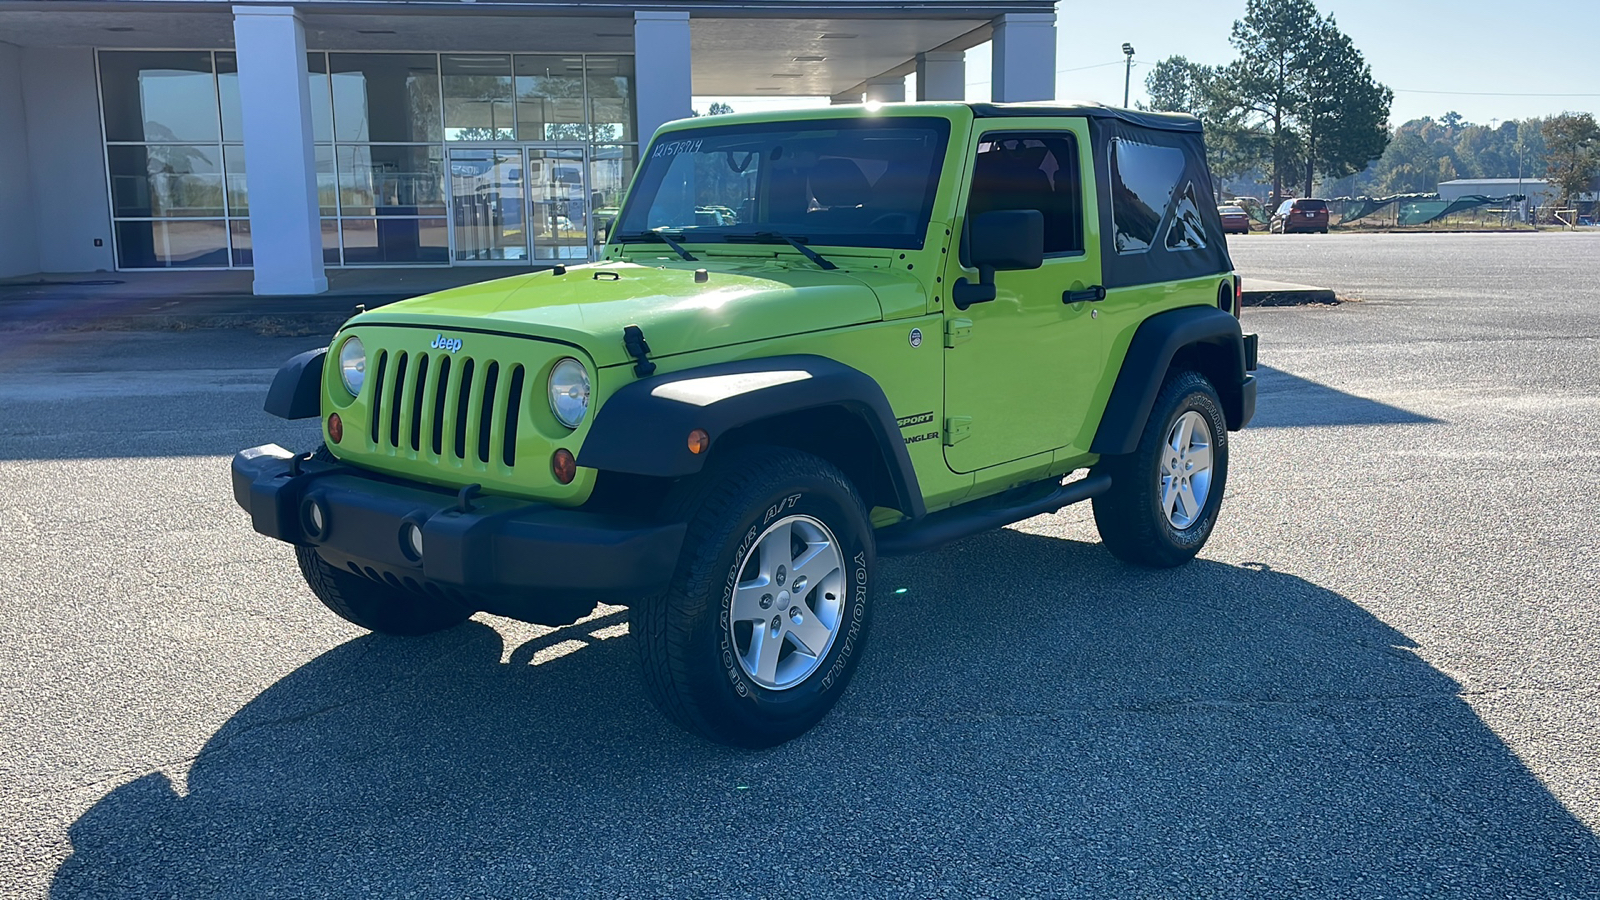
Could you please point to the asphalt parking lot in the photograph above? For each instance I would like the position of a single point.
(1381, 679)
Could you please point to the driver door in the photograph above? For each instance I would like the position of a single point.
(1020, 371)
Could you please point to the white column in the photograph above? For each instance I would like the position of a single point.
(942, 75)
(886, 90)
(664, 85)
(280, 163)
(1024, 57)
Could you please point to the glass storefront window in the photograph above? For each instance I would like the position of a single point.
(165, 243)
(610, 83)
(477, 97)
(161, 180)
(158, 96)
(385, 97)
(228, 94)
(550, 98)
(395, 241)
(389, 180)
(610, 169)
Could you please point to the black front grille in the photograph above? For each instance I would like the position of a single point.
(457, 408)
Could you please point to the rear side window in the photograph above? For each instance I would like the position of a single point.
(1032, 171)
(1310, 205)
(1144, 179)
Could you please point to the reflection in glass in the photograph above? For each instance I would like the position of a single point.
(397, 181)
(610, 82)
(378, 242)
(558, 204)
(228, 95)
(385, 96)
(158, 96)
(1143, 177)
(477, 97)
(165, 180)
(486, 200)
(610, 169)
(172, 243)
(1188, 229)
(550, 98)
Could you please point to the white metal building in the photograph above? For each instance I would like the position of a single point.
(403, 133)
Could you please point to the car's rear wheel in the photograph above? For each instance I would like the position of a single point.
(1166, 494)
(765, 618)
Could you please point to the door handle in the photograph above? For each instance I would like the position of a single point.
(1094, 295)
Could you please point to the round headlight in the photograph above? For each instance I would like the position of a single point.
(569, 392)
(353, 365)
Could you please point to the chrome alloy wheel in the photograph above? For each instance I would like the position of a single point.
(1186, 470)
(788, 603)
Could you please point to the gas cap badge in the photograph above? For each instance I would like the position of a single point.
(443, 343)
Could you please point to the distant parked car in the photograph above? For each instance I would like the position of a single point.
(1234, 219)
(1302, 214)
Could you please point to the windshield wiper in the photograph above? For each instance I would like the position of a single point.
(773, 237)
(658, 236)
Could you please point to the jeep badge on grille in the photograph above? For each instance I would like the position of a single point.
(443, 343)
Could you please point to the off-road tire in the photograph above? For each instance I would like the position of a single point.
(686, 637)
(373, 606)
(1132, 521)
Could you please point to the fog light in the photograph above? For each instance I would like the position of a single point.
(335, 428)
(411, 541)
(563, 465)
(316, 520)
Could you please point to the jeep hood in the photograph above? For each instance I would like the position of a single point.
(590, 305)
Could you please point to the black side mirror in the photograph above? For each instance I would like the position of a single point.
(1004, 239)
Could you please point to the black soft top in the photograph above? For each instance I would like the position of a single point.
(1157, 121)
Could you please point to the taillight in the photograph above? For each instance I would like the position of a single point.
(1238, 296)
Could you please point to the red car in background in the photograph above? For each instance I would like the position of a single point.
(1302, 214)
(1234, 219)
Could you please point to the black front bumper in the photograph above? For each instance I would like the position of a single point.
(523, 560)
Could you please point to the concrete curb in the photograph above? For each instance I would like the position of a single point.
(1259, 292)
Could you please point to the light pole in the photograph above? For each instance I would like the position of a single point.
(1127, 75)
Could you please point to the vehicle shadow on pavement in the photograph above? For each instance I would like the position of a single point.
(1289, 401)
(1032, 718)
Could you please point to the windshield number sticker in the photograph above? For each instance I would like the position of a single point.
(673, 148)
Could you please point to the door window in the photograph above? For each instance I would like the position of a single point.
(1032, 172)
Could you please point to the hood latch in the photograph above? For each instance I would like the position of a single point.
(639, 349)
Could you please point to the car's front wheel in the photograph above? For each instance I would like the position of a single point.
(766, 615)
(1166, 494)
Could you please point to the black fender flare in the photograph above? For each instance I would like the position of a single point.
(643, 428)
(1155, 343)
(296, 391)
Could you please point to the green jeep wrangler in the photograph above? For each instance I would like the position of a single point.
(915, 322)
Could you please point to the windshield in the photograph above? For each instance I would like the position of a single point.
(842, 182)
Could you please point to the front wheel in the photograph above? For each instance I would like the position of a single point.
(766, 615)
(1166, 494)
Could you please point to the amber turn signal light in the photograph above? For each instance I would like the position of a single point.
(563, 465)
(699, 441)
(335, 428)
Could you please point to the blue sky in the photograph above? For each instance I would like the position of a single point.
(1495, 58)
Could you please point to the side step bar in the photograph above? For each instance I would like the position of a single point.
(940, 528)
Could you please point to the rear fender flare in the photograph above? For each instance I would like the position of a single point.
(1158, 340)
(643, 428)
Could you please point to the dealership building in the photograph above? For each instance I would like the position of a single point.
(295, 139)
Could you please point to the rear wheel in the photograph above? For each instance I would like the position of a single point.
(1166, 494)
(761, 628)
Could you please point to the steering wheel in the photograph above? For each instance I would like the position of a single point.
(897, 221)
